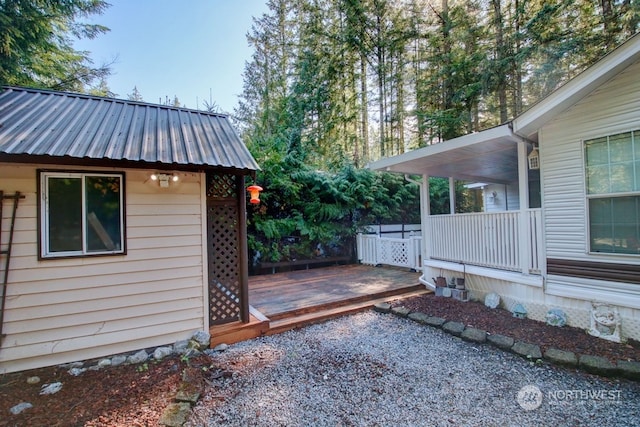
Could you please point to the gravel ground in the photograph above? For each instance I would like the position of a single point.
(373, 369)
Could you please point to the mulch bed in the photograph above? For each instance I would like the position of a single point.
(499, 321)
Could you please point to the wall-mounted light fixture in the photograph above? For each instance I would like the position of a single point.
(534, 159)
(163, 179)
(254, 192)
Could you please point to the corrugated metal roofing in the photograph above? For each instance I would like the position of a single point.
(48, 123)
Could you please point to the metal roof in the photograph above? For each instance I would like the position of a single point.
(59, 124)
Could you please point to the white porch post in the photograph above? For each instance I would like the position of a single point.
(523, 190)
(425, 211)
(452, 195)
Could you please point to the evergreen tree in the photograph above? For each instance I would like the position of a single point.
(36, 44)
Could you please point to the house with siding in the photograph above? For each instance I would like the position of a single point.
(129, 229)
(560, 234)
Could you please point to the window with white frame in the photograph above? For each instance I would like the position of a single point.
(81, 214)
(613, 193)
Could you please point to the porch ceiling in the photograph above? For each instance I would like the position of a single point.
(487, 156)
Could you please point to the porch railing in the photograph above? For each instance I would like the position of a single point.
(487, 239)
(376, 250)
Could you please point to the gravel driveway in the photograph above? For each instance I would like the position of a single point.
(374, 369)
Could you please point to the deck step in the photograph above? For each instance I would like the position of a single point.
(300, 312)
(232, 333)
(320, 315)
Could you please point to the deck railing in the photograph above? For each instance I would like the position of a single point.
(487, 239)
(376, 250)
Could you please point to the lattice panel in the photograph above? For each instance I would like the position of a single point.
(224, 263)
(393, 253)
(221, 186)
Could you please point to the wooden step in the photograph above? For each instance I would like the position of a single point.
(337, 305)
(234, 332)
(320, 315)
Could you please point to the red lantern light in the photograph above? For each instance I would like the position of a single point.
(254, 191)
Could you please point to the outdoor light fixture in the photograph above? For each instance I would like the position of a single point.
(534, 159)
(164, 179)
(254, 192)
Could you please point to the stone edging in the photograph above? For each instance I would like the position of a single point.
(593, 364)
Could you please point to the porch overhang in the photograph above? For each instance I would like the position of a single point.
(487, 156)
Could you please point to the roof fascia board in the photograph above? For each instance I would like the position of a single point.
(529, 122)
(499, 132)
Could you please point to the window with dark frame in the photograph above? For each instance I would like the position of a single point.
(81, 214)
(613, 193)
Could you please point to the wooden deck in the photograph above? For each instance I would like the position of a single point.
(288, 300)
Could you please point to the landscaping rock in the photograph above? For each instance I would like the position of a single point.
(630, 370)
(15, 410)
(162, 352)
(382, 307)
(181, 346)
(453, 328)
(474, 335)
(221, 347)
(202, 338)
(52, 388)
(597, 365)
(33, 380)
(401, 311)
(175, 415)
(501, 341)
(118, 360)
(419, 317)
(103, 363)
(526, 350)
(435, 321)
(139, 357)
(561, 357)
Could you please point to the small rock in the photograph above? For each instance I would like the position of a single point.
(419, 317)
(435, 321)
(597, 365)
(401, 311)
(72, 365)
(175, 415)
(33, 380)
(501, 341)
(561, 357)
(139, 357)
(202, 338)
(474, 335)
(162, 352)
(77, 371)
(529, 351)
(382, 307)
(103, 363)
(181, 346)
(630, 370)
(51, 388)
(15, 410)
(221, 347)
(453, 328)
(118, 360)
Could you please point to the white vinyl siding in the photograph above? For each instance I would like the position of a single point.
(61, 310)
(613, 108)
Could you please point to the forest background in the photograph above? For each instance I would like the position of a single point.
(335, 84)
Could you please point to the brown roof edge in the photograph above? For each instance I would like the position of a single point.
(88, 162)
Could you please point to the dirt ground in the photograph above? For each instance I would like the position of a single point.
(137, 395)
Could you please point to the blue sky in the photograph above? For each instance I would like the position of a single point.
(177, 48)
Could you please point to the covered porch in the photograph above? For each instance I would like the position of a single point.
(504, 243)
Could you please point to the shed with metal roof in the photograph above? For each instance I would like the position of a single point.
(129, 228)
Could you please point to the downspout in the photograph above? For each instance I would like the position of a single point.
(424, 212)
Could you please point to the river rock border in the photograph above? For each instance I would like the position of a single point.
(592, 364)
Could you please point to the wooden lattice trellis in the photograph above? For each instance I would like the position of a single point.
(226, 296)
